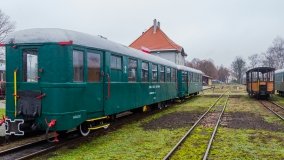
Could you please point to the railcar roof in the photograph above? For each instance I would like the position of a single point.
(45, 35)
(185, 68)
(279, 70)
(261, 69)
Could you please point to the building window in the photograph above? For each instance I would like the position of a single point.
(168, 74)
(145, 68)
(78, 66)
(132, 70)
(174, 75)
(162, 74)
(154, 73)
(30, 65)
(115, 62)
(94, 62)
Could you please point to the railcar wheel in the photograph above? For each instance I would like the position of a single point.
(160, 106)
(84, 129)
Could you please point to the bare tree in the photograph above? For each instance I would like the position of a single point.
(275, 53)
(6, 26)
(238, 68)
(254, 60)
(223, 74)
(194, 63)
(269, 59)
(206, 66)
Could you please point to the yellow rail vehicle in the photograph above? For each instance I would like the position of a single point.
(260, 81)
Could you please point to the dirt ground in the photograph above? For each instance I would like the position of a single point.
(236, 120)
(245, 120)
(173, 121)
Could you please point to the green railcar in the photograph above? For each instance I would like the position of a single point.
(189, 81)
(60, 79)
(279, 81)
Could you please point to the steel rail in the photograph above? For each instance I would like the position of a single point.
(215, 130)
(41, 151)
(190, 130)
(20, 147)
(272, 110)
(277, 105)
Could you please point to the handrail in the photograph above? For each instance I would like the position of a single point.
(15, 91)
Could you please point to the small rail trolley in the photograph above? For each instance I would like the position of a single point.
(260, 81)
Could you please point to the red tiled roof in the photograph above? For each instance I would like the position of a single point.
(158, 41)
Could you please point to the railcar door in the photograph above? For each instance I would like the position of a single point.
(29, 92)
(23, 78)
(185, 82)
(94, 77)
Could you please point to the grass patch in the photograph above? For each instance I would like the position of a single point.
(2, 111)
(247, 104)
(277, 99)
(134, 142)
(221, 88)
(247, 144)
(195, 146)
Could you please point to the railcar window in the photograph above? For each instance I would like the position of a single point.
(30, 65)
(197, 76)
(78, 66)
(255, 76)
(154, 73)
(270, 77)
(168, 74)
(94, 62)
(132, 70)
(162, 74)
(184, 76)
(145, 71)
(115, 62)
(174, 75)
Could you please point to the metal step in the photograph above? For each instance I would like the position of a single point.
(105, 126)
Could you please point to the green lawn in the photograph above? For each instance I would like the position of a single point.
(249, 143)
(221, 88)
(2, 111)
(132, 141)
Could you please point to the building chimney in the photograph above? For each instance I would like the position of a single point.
(155, 25)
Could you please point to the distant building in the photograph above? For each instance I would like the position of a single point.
(156, 42)
(206, 80)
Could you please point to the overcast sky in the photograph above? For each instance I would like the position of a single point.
(216, 29)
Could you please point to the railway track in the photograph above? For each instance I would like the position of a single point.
(214, 107)
(41, 147)
(25, 151)
(274, 108)
(29, 150)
